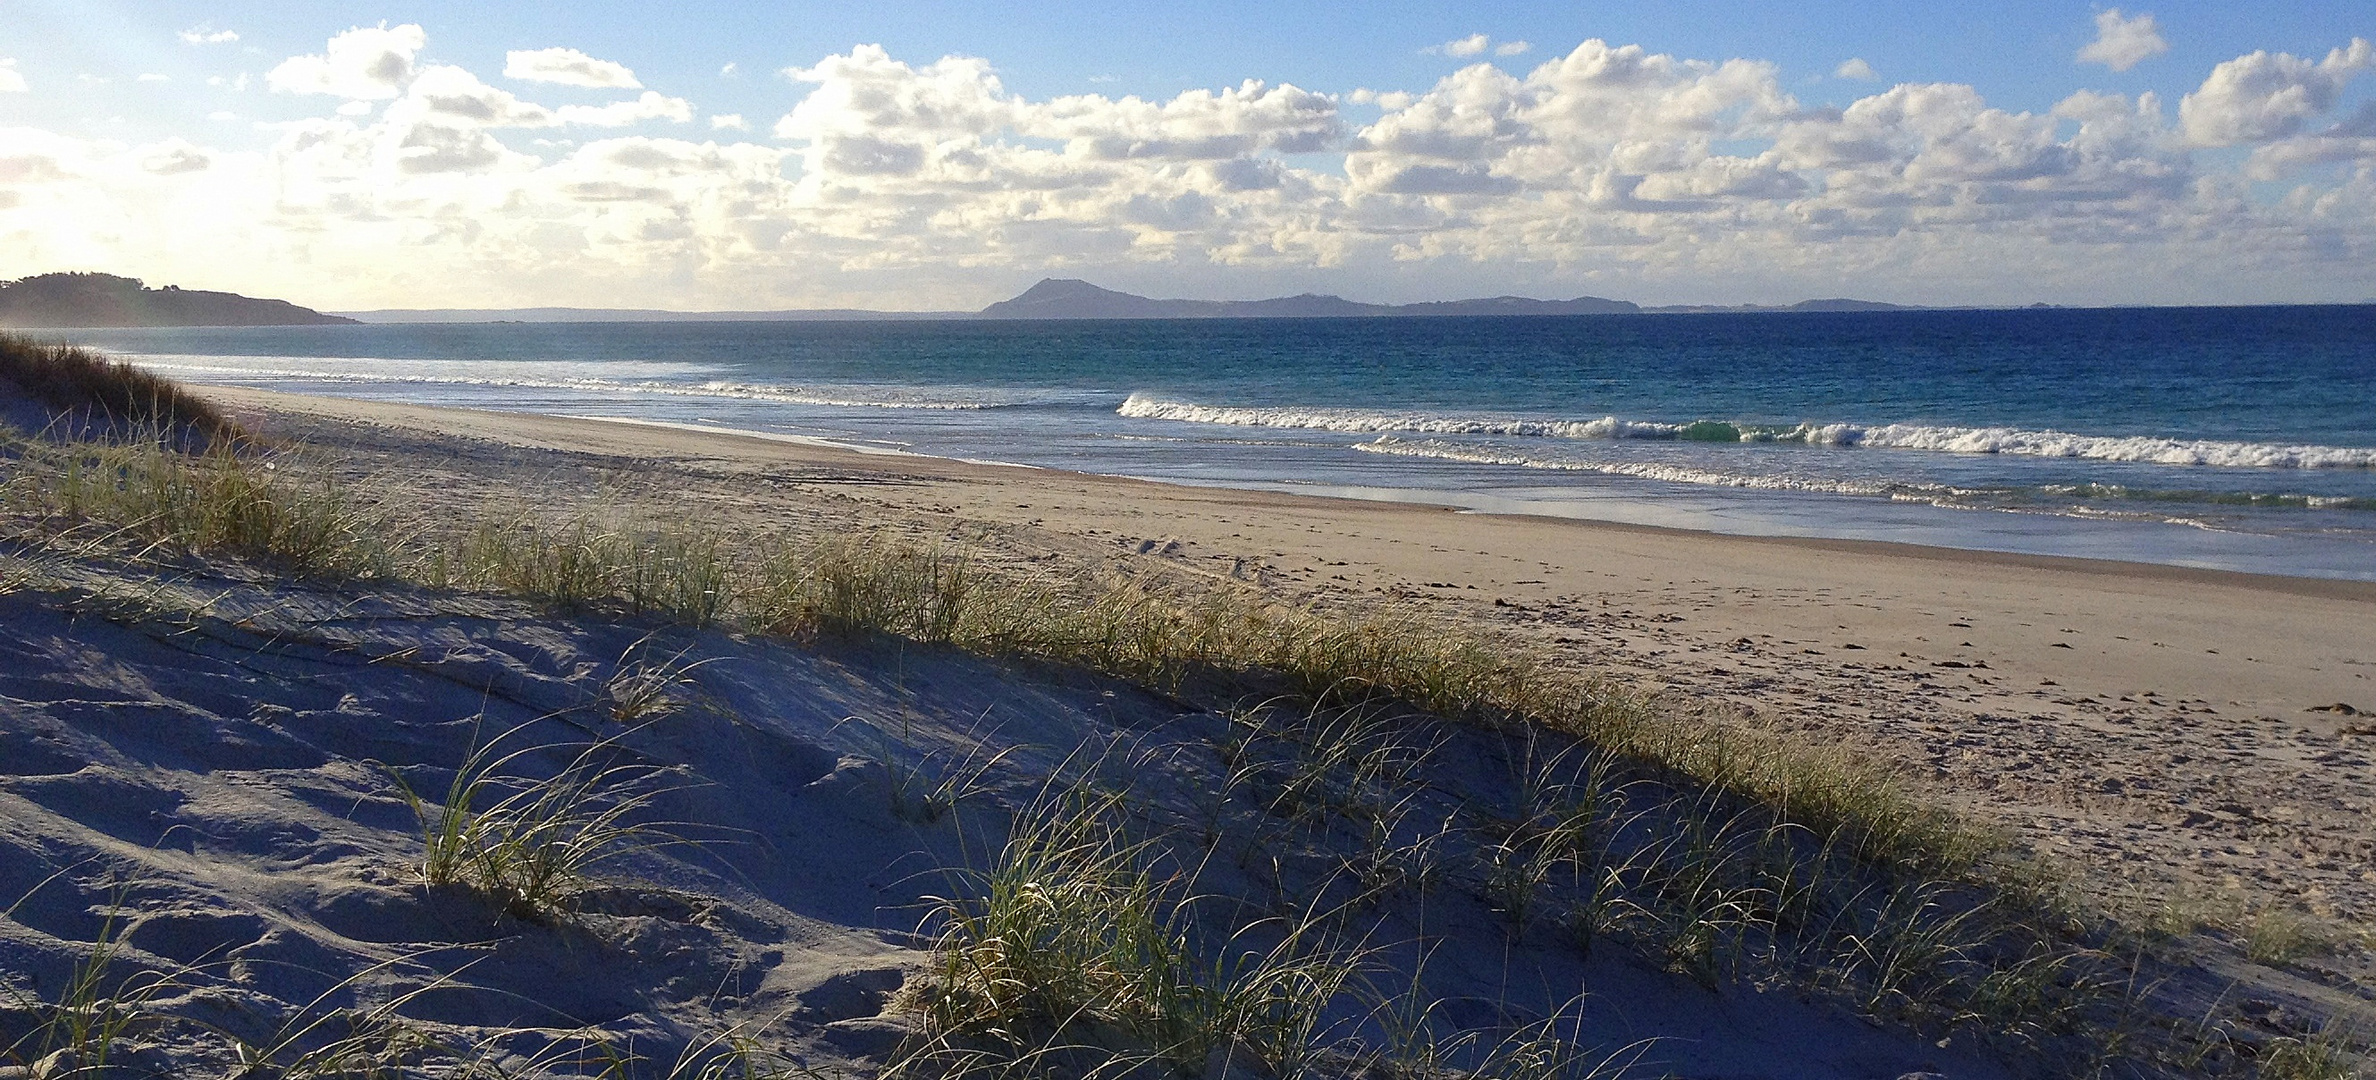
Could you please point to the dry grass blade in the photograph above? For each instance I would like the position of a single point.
(97, 1009)
(527, 842)
(1071, 956)
(317, 1042)
(642, 689)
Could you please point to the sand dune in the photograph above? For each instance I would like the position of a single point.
(217, 760)
(2155, 723)
(216, 753)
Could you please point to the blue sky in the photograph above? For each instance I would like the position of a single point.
(1989, 162)
(2018, 55)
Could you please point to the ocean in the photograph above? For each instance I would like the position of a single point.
(2230, 438)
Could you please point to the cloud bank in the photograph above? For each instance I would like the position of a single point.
(1611, 169)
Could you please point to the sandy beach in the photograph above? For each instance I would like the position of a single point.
(212, 767)
(2158, 731)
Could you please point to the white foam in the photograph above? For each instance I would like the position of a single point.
(1960, 440)
(1649, 470)
(714, 428)
(1943, 495)
(2139, 448)
(491, 374)
(1359, 422)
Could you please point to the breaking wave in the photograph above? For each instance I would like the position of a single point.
(2145, 449)
(1365, 423)
(844, 397)
(1652, 470)
(2251, 499)
(2057, 498)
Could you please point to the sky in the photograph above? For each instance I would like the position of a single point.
(706, 155)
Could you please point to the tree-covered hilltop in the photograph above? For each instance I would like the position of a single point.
(107, 300)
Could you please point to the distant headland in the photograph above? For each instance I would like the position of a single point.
(104, 300)
(85, 300)
(1071, 298)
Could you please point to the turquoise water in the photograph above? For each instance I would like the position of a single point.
(2239, 438)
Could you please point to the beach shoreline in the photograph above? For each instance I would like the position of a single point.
(2149, 773)
(2296, 584)
(2164, 731)
(1417, 498)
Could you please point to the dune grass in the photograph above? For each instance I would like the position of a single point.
(1082, 951)
(1219, 642)
(1210, 641)
(87, 389)
(527, 841)
(1724, 852)
(83, 1028)
(1094, 945)
(2313, 1057)
(141, 498)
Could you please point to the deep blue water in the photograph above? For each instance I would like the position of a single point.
(2240, 437)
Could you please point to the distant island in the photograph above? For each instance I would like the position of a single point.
(1071, 298)
(87, 300)
(105, 300)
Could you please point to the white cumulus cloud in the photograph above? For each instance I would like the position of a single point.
(568, 67)
(2265, 95)
(12, 81)
(1855, 68)
(1612, 169)
(2123, 41)
(1472, 45)
(2353, 139)
(1478, 45)
(200, 35)
(649, 106)
(451, 95)
(1196, 125)
(365, 63)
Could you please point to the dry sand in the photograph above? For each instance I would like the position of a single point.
(2141, 724)
(225, 740)
(202, 762)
